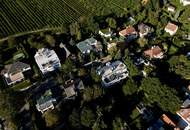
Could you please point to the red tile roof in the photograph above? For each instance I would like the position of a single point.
(153, 52)
(167, 120)
(171, 27)
(128, 31)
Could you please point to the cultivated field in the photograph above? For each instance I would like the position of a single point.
(18, 16)
(29, 16)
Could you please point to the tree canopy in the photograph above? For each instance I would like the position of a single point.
(180, 65)
(87, 117)
(130, 87)
(156, 92)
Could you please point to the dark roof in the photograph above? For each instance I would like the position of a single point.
(47, 96)
(143, 28)
(15, 67)
(86, 45)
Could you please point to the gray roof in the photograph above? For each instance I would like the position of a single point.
(91, 40)
(45, 105)
(72, 87)
(86, 45)
(45, 98)
(70, 91)
(143, 28)
(186, 103)
(15, 67)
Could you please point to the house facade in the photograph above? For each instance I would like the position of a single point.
(72, 87)
(171, 28)
(171, 9)
(107, 33)
(129, 33)
(185, 2)
(112, 73)
(47, 60)
(184, 114)
(14, 73)
(154, 53)
(45, 102)
(143, 29)
(89, 45)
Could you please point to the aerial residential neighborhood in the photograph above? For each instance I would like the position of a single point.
(95, 65)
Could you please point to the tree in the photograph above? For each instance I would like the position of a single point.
(133, 71)
(50, 40)
(68, 66)
(10, 124)
(74, 119)
(51, 118)
(1, 59)
(180, 65)
(35, 44)
(130, 87)
(87, 117)
(74, 28)
(111, 22)
(118, 55)
(92, 93)
(92, 56)
(10, 104)
(99, 123)
(81, 72)
(88, 25)
(95, 76)
(113, 51)
(156, 92)
(118, 124)
(7, 109)
(11, 42)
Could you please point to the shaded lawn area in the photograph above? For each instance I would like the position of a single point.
(22, 85)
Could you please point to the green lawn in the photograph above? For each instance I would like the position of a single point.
(21, 85)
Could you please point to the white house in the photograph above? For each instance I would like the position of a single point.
(107, 33)
(47, 60)
(171, 28)
(171, 9)
(185, 2)
(112, 73)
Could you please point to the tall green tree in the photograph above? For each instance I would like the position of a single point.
(180, 65)
(92, 93)
(130, 87)
(68, 66)
(74, 119)
(52, 118)
(133, 71)
(111, 22)
(74, 28)
(88, 117)
(156, 92)
(118, 124)
(50, 40)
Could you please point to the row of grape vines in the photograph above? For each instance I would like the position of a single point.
(18, 16)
